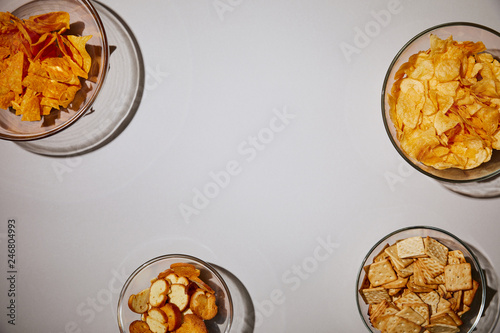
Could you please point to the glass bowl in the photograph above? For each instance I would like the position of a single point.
(84, 20)
(471, 318)
(141, 279)
(461, 31)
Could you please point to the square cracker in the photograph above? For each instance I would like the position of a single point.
(432, 299)
(411, 315)
(405, 272)
(419, 275)
(436, 250)
(375, 295)
(469, 294)
(412, 247)
(442, 318)
(382, 255)
(402, 325)
(432, 266)
(396, 284)
(392, 252)
(458, 277)
(442, 328)
(456, 257)
(381, 272)
(423, 310)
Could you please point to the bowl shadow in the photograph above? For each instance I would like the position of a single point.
(491, 313)
(244, 311)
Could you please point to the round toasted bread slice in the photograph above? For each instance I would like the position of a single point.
(139, 326)
(155, 326)
(176, 279)
(139, 303)
(185, 269)
(158, 292)
(174, 316)
(192, 324)
(203, 304)
(201, 284)
(178, 296)
(158, 314)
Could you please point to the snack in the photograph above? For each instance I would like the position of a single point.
(445, 104)
(434, 296)
(40, 65)
(177, 301)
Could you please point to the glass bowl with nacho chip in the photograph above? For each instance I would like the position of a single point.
(174, 290)
(421, 277)
(53, 62)
(441, 106)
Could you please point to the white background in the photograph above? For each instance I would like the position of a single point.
(215, 77)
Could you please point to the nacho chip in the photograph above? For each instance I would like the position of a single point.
(37, 67)
(48, 22)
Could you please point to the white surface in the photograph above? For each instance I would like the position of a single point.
(212, 83)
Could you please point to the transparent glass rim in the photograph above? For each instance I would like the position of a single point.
(88, 103)
(473, 257)
(388, 123)
(175, 256)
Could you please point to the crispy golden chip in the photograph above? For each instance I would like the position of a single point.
(36, 57)
(48, 22)
(445, 104)
(11, 77)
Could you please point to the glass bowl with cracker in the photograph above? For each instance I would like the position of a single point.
(421, 278)
(53, 63)
(175, 292)
(441, 107)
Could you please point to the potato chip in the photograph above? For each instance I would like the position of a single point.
(445, 104)
(40, 64)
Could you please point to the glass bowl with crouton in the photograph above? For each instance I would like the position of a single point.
(176, 292)
(421, 278)
(56, 66)
(441, 107)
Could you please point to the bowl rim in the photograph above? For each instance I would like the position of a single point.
(416, 227)
(88, 103)
(181, 256)
(388, 123)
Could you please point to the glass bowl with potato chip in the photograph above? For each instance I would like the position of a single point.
(441, 106)
(419, 278)
(175, 292)
(55, 56)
